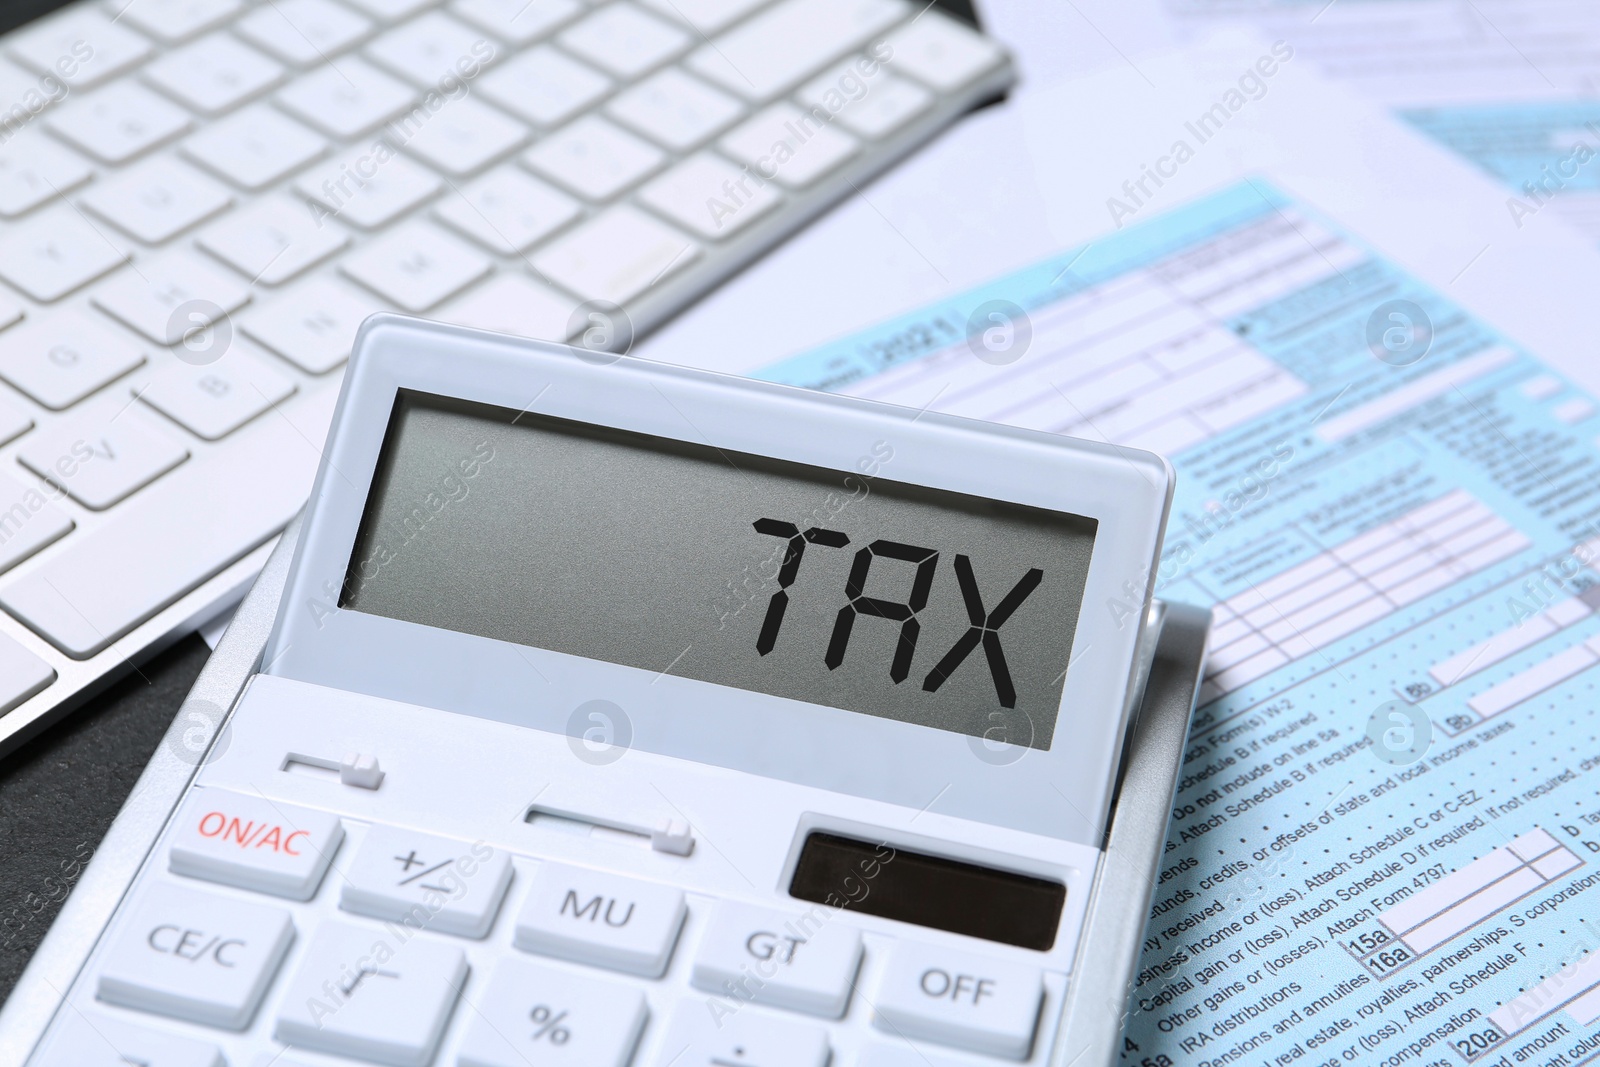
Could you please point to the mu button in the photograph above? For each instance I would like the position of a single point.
(602, 919)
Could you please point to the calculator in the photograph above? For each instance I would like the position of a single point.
(601, 712)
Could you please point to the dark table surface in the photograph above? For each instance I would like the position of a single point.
(60, 791)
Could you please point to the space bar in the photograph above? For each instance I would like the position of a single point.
(167, 540)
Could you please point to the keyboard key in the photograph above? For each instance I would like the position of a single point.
(508, 212)
(427, 882)
(510, 303)
(272, 240)
(157, 199)
(544, 86)
(433, 51)
(351, 999)
(462, 138)
(800, 962)
(106, 581)
(965, 1001)
(55, 252)
(369, 186)
(22, 674)
(574, 913)
(214, 74)
(28, 522)
(943, 53)
(789, 42)
(100, 1041)
(83, 48)
(887, 104)
(314, 326)
(535, 1014)
(675, 109)
(520, 22)
(254, 148)
(711, 196)
(100, 460)
(416, 266)
(253, 843)
(706, 16)
(195, 956)
(119, 122)
(171, 297)
(615, 255)
(174, 21)
(392, 10)
(698, 1038)
(622, 39)
(34, 169)
(14, 422)
(63, 358)
(304, 32)
(347, 100)
(790, 146)
(214, 400)
(594, 159)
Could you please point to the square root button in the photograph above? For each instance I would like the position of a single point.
(602, 919)
(965, 1001)
(799, 961)
(254, 843)
(376, 993)
(196, 956)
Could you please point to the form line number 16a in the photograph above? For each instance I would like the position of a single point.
(984, 622)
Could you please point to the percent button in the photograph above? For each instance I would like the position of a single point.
(548, 1021)
(534, 1013)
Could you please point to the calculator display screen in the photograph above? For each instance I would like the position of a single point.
(846, 589)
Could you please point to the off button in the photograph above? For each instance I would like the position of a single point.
(969, 1002)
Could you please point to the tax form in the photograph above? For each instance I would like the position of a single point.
(1512, 85)
(1379, 397)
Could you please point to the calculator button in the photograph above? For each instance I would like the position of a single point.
(100, 1041)
(438, 883)
(970, 1002)
(535, 1014)
(196, 956)
(254, 843)
(383, 995)
(801, 962)
(718, 1034)
(609, 921)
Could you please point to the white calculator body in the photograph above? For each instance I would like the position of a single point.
(613, 713)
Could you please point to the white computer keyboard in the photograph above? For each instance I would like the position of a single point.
(202, 199)
(294, 915)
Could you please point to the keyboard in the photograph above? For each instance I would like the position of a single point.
(202, 200)
(541, 909)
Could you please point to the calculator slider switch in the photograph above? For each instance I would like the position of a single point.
(354, 769)
(672, 836)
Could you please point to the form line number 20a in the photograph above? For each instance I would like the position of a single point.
(983, 623)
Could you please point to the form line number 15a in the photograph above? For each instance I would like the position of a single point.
(984, 622)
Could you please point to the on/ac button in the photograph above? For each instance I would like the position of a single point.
(965, 1001)
(254, 843)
